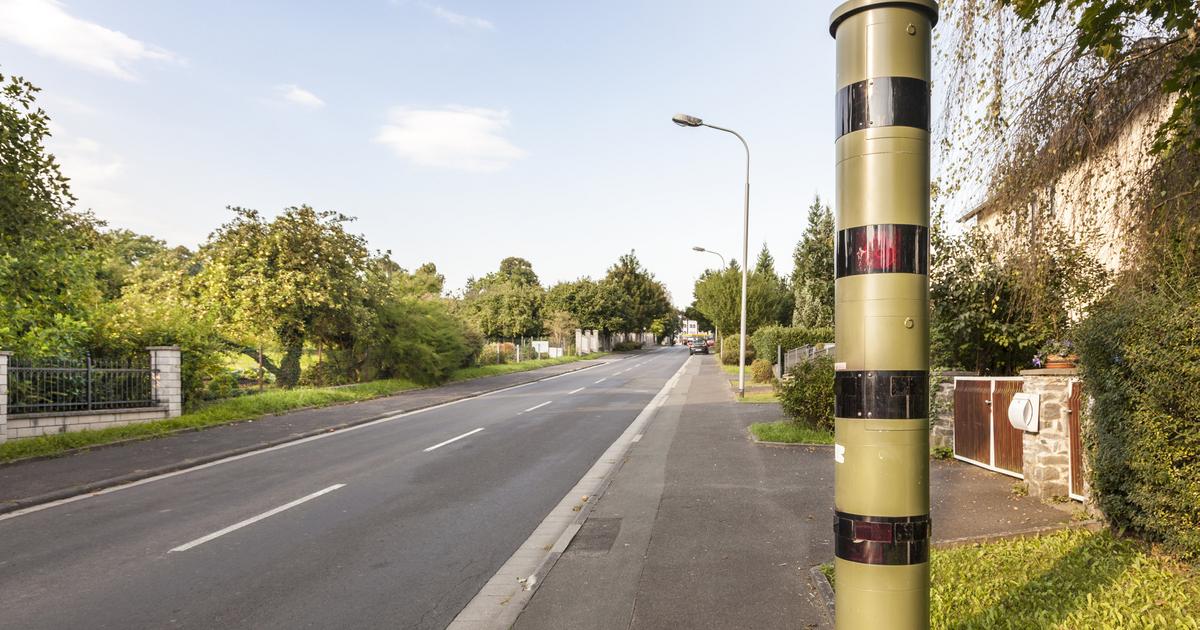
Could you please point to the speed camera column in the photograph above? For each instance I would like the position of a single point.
(881, 502)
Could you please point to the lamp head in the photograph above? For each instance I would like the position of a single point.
(683, 120)
(699, 249)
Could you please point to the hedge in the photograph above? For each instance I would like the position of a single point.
(729, 350)
(1140, 357)
(766, 339)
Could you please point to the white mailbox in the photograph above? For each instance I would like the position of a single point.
(1024, 410)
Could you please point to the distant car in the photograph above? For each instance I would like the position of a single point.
(697, 346)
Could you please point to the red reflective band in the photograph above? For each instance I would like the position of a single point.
(885, 248)
(874, 532)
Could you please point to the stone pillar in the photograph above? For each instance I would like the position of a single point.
(4, 396)
(167, 380)
(579, 347)
(1047, 453)
(941, 409)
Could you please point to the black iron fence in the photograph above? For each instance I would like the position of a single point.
(56, 385)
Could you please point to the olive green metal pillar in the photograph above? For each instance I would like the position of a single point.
(881, 323)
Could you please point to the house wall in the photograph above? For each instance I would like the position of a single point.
(1087, 199)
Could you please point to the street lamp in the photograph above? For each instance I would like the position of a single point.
(718, 255)
(684, 120)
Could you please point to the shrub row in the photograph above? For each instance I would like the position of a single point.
(768, 338)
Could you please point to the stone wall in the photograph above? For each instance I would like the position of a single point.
(166, 381)
(37, 424)
(4, 396)
(1047, 458)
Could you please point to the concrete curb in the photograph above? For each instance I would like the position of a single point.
(824, 588)
(120, 480)
(502, 599)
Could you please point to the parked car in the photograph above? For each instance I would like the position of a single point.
(697, 346)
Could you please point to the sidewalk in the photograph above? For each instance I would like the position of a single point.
(29, 483)
(702, 528)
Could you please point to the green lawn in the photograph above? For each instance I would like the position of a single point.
(790, 432)
(759, 397)
(247, 407)
(1067, 580)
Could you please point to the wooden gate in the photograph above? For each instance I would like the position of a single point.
(982, 434)
(1076, 449)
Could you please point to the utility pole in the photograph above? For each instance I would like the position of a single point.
(881, 455)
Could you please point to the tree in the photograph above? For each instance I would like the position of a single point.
(507, 302)
(633, 298)
(297, 277)
(48, 285)
(1111, 29)
(718, 297)
(769, 300)
(121, 253)
(812, 277)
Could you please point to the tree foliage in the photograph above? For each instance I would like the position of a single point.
(634, 300)
(48, 253)
(297, 277)
(812, 275)
(506, 303)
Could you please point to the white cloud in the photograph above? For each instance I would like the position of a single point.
(45, 27)
(456, 137)
(300, 96)
(458, 19)
(92, 169)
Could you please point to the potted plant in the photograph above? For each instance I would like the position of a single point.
(1059, 353)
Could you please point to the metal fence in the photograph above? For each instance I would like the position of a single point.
(57, 385)
(789, 358)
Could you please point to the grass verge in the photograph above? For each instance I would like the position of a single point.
(247, 407)
(790, 432)
(759, 397)
(1065, 580)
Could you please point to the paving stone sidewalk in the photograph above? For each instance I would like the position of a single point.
(31, 482)
(702, 528)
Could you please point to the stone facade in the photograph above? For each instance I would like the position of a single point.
(4, 396)
(167, 383)
(1047, 453)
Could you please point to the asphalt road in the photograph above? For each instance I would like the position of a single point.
(391, 524)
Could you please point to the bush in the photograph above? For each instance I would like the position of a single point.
(1140, 355)
(420, 341)
(729, 353)
(808, 395)
(626, 346)
(761, 371)
(507, 354)
(323, 374)
(767, 339)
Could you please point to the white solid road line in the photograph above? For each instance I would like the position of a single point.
(453, 439)
(601, 380)
(254, 519)
(576, 391)
(537, 406)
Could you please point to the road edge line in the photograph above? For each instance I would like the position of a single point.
(503, 597)
(17, 507)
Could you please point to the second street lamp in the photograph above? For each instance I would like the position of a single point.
(709, 251)
(684, 120)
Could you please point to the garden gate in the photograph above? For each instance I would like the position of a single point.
(1076, 447)
(982, 434)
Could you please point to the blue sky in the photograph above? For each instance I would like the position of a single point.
(457, 132)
